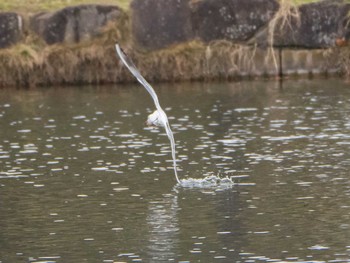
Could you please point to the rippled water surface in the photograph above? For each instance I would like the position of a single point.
(83, 180)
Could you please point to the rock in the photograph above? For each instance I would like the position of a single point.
(10, 29)
(308, 62)
(234, 20)
(73, 24)
(157, 24)
(318, 25)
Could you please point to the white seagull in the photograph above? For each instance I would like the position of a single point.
(154, 119)
(158, 117)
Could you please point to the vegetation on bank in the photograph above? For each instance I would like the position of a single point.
(95, 62)
(32, 62)
(31, 6)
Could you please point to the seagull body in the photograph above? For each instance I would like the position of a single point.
(157, 118)
(154, 119)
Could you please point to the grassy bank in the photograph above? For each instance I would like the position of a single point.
(96, 63)
(33, 6)
(32, 62)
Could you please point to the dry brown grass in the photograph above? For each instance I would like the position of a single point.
(195, 60)
(96, 62)
(282, 19)
(33, 63)
(33, 6)
(343, 53)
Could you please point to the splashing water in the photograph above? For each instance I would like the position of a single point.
(162, 117)
(212, 181)
(159, 118)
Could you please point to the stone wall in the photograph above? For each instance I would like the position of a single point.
(281, 39)
(157, 24)
(73, 24)
(10, 29)
(237, 21)
(262, 22)
(323, 24)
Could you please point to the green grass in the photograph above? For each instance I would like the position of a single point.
(31, 6)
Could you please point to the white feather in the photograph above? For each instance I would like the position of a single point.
(154, 119)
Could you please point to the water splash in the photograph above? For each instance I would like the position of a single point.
(163, 118)
(211, 181)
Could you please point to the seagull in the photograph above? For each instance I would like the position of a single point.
(154, 119)
(158, 117)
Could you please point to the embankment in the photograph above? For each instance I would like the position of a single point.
(173, 40)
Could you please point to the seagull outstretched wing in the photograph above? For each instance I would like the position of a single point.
(163, 117)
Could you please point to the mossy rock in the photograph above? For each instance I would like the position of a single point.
(10, 29)
(323, 24)
(73, 24)
(157, 24)
(233, 20)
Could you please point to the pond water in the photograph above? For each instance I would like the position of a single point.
(82, 179)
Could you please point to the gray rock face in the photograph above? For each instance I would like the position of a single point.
(159, 23)
(235, 20)
(73, 24)
(319, 25)
(10, 29)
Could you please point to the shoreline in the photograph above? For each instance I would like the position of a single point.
(38, 56)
